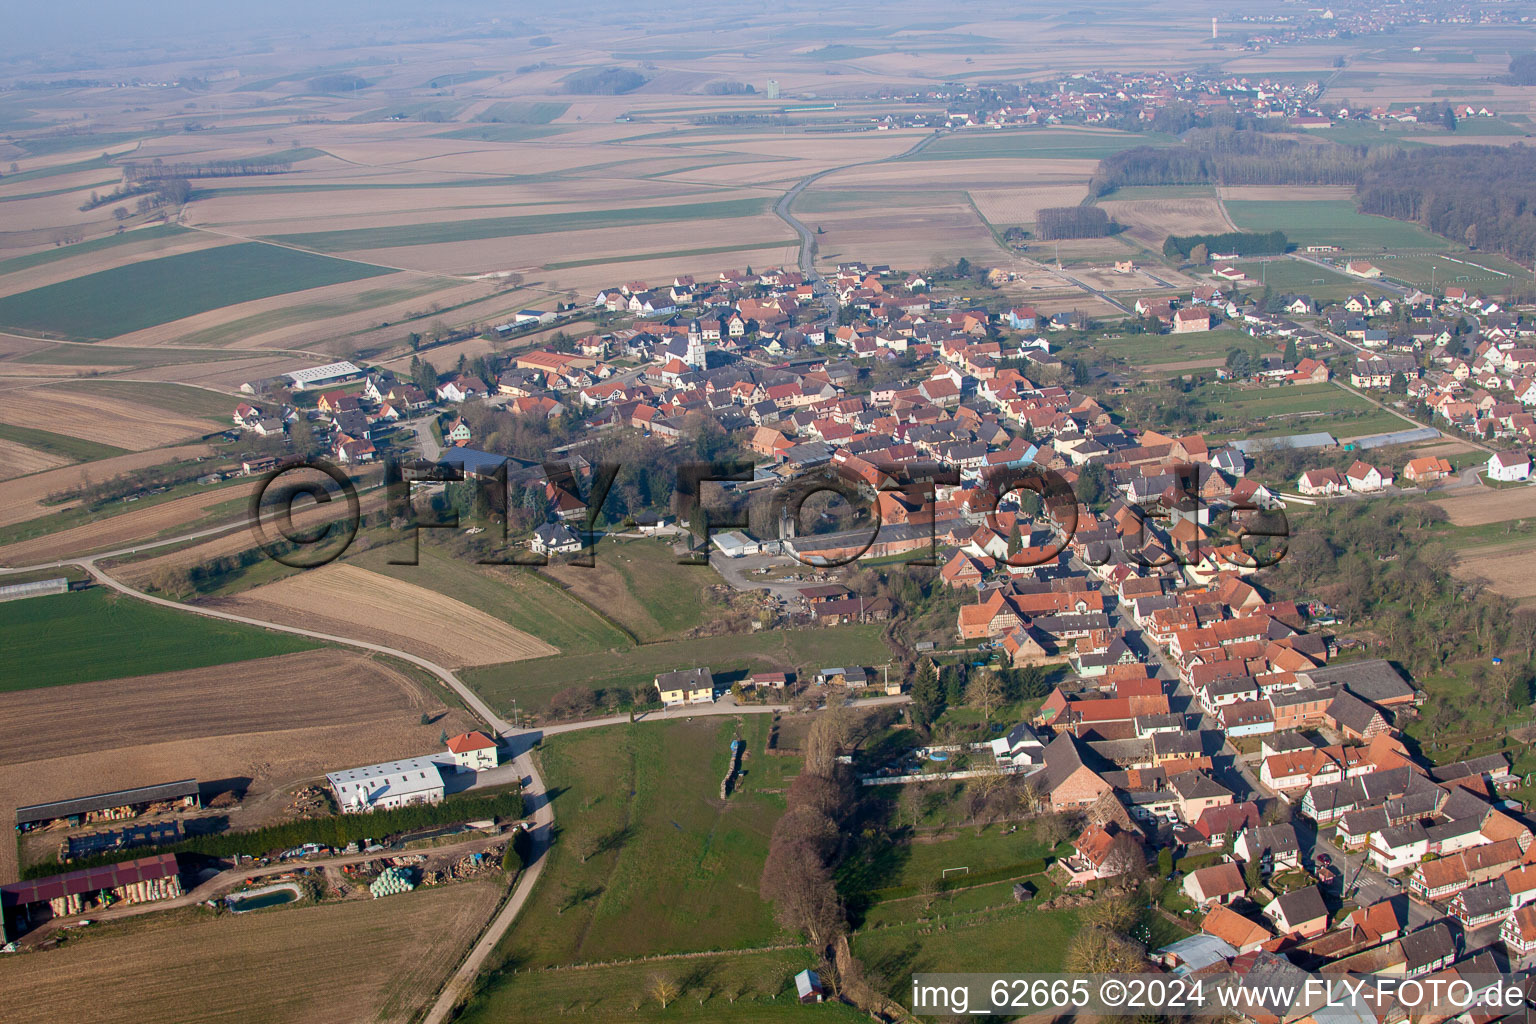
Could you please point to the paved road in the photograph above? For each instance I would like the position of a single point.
(782, 210)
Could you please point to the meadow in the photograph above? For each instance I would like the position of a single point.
(1292, 409)
(533, 683)
(1283, 276)
(114, 302)
(639, 585)
(740, 988)
(1331, 222)
(649, 860)
(111, 637)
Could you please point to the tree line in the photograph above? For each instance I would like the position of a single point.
(1249, 243)
(159, 169)
(1221, 156)
(1056, 222)
(1480, 195)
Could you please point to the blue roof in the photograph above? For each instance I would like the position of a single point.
(472, 461)
(1292, 441)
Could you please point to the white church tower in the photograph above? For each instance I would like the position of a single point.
(696, 357)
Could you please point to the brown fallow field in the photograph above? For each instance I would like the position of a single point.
(1149, 221)
(350, 601)
(19, 460)
(107, 419)
(1489, 506)
(22, 499)
(338, 962)
(1507, 568)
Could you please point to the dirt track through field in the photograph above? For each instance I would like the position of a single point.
(349, 601)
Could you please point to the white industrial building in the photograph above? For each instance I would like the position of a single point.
(320, 376)
(412, 780)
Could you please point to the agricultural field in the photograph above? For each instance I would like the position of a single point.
(733, 655)
(287, 691)
(116, 416)
(1505, 566)
(109, 636)
(479, 228)
(56, 532)
(1332, 222)
(649, 859)
(1150, 221)
(192, 966)
(346, 600)
(1487, 506)
(19, 460)
(110, 303)
(21, 499)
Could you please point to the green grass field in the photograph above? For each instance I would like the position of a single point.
(124, 299)
(639, 585)
(1156, 349)
(1331, 222)
(115, 355)
(75, 449)
(517, 112)
(1037, 144)
(1294, 276)
(1293, 409)
(1488, 271)
(744, 988)
(502, 132)
(354, 239)
(534, 682)
(94, 634)
(648, 858)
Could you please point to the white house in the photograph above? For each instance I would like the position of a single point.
(473, 750)
(1364, 477)
(411, 780)
(1509, 466)
(1321, 482)
(1019, 747)
(554, 539)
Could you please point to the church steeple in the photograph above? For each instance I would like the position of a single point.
(696, 357)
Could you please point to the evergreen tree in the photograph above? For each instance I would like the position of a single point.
(927, 694)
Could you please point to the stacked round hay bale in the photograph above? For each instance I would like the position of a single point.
(391, 881)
